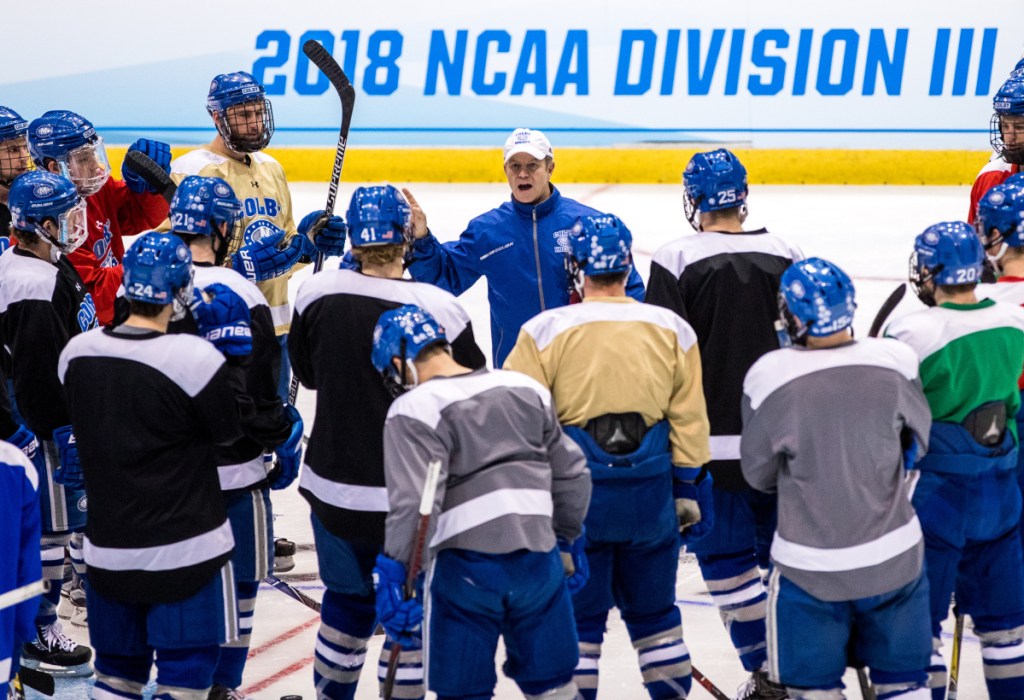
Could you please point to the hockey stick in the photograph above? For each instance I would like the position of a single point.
(707, 684)
(329, 67)
(886, 309)
(426, 508)
(153, 175)
(293, 592)
(866, 691)
(26, 592)
(954, 666)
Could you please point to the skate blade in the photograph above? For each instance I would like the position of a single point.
(80, 671)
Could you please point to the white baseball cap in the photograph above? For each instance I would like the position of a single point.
(530, 141)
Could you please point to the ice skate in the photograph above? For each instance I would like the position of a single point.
(55, 653)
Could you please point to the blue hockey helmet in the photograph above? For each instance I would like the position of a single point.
(379, 215)
(14, 153)
(948, 253)
(38, 196)
(158, 270)
(712, 181)
(1006, 129)
(404, 333)
(71, 141)
(242, 113)
(200, 205)
(816, 298)
(1001, 218)
(600, 245)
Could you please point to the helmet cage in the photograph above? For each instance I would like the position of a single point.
(250, 133)
(15, 157)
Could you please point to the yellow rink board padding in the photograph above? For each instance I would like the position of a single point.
(629, 165)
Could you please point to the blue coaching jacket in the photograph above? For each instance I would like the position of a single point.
(520, 249)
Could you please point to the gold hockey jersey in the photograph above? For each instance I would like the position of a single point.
(266, 209)
(616, 355)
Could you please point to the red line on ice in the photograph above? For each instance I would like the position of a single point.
(286, 671)
(283, 637)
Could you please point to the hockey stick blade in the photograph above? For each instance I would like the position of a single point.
(37, 681)
(323, 60)
(887, 308)
(155, 176)
(292, 592)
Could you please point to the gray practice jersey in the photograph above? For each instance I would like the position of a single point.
(823, 428)
(510, 479)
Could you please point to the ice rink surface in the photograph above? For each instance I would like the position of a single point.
(868, 231)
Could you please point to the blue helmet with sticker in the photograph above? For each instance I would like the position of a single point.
(1006, 129)
(12, 126)
(14, 154)
(404, 333)
(379, 215)
(1001, 217)
(38, 196)
(600, 245)
(70, 140)
(158, 270)
(200, 203)
(245, 129)
(816, 298)
(948, 253)
(713, 181)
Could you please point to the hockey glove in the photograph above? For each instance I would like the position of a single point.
(694, 503)
(159, 151)
(327, 234)
(574, 561)
(402, 619)
(289, 453)
(269, 257)
(69, 471)
(26, 441)
(222, 317)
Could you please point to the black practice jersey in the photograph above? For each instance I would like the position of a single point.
(726, 286)
(157, 529)
(329, 345)
(42, 306)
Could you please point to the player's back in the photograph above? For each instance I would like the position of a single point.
(971, 354)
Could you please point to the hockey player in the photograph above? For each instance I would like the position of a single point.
(64, 142)
(724, 281)
(158, 543)
(343, 479)
(14, 160)
(971, 354)
(519, 247)
(203, 213)
(44, 303)
(264, 247)
(848, 551)
(1007, 137)
(510, 483)
(626, 380)
(19, 555)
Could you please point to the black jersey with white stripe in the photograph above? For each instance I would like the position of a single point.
(726, 286)
(157, 529)
(42, 306)
(329, 346)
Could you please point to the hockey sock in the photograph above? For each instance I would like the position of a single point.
(231, 663)
(346, 623)
(590, 631)
(735, 585)
(662, 654)
(53, 570)
(121, 677)
(409, 678)
(185, 674)
(937, 674)
(77, 560)
(900, 686)
(1002, 655)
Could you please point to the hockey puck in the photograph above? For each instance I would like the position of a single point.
(291, 697)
